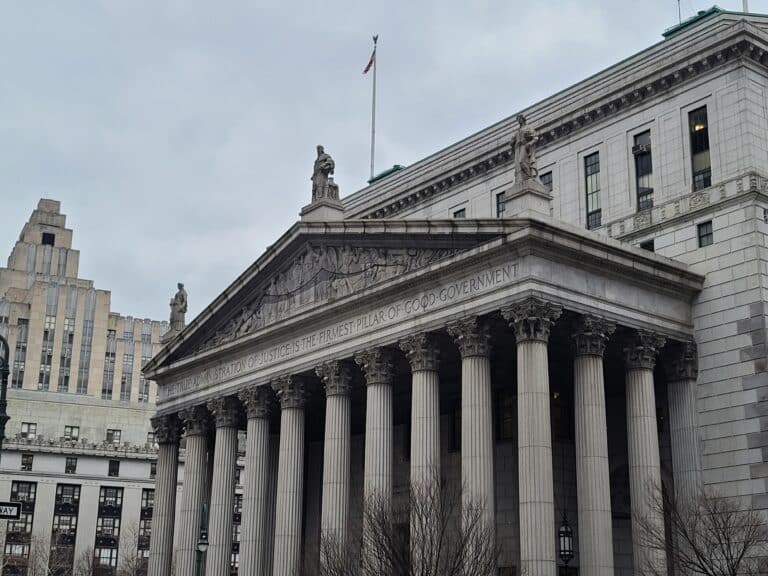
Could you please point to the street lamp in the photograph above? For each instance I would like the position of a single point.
(5, 356)
(202, 541)
(565, 539)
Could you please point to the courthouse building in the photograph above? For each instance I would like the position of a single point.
(80, 452)
(558, 341)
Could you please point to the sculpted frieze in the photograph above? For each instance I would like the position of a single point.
(323, 274)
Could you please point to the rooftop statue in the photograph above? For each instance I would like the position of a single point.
(323, 185)
(178, 308)
(524, 144)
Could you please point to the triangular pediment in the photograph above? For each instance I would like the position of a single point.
(316, 264)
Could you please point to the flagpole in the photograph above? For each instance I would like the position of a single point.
(373, 103)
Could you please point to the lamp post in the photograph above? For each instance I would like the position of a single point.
(565, 539)
(5, 356)
(202, 541)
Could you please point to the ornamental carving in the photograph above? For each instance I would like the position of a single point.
(532, 318)
(422, 351)
(471, 336)
(226, 411)
(683, 362)
(257, 401)
(197, 421)
(167, 429)
(336, 376)
(641, 349)
(591, 334)
(290, 391)
(323, 274)
(377, 365)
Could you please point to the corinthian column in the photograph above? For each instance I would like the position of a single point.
(197, 424)
(377, 365)
(167, 433)
(643, 449)
(424, 357)
(593, 486)
(532, 320)
(253, 540)
(290, 476)
(334, 519)
(682, 370)
(226, 414)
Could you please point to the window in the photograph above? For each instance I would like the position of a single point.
(145, 527)
(153, 469)
(647, 245)
(113, 436)
(114, 468)
(546, 180)
(147, 498)
(107, 526)
(238, 507)
(592, 188)
(23, 492)
(65, 524)
(26, 462)
(501, 205)
(87, 345)
(127, 377)
(111, 496)
(28, 430)
(72, 433)
(20, 355)
(67, 494)
(105, 557)
(459, 214)
(18, 550)
(700, 161)
(705, 234)
(643, 170)
(70, 467)
(48, 239)
(150, 438)
(235, 533)
(506, 412)
(238, 474)
(109, 366)
(65, 360)
(21, 526)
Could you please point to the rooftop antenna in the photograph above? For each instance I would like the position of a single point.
(679, 13)
(746, 5)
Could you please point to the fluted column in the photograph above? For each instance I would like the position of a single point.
(593, 483)
(253, 539)
(532, 320)
(682, 370)
(377, 365)
(423, 355)
(290, 476)
(226, 414)
(643, 449)
(274, 450)
(197, 426)
(167, 432)
(334, 518)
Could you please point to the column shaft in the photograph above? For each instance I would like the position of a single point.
(161, 544)
(336, 487)
(425, 429)
(253, 540)
(377, 478)
(192, 499)
(274, 450)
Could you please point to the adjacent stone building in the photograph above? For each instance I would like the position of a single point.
(556, 344)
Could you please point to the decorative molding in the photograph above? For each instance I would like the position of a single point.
(336, 376)
(197, 420)
(167, 429)
(642, 348)
(422, 351)
(290, 391)
(591, 334)
(682, 363)
(471, 336)
(226, 411)
(532, 318)
(257, 401)
(377, 365)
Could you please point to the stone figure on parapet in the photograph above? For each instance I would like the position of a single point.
(524, 145)
(178, 308)
(323, 185)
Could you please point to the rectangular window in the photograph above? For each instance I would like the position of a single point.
(20, 354)
(114, 468)
(109, 366)
(700, 160)
(26, 462)
(592, 189)
(17, 550)
(23, 492)
(83, 372)
(113, 436)
(67, 494)
(71, 465)
(501, 205)
(643, 170)
(705, 234)
(107, 526)
(72, 433)
(29, 430)
(21, 526)
(147, 498)
(459, 214)
(647, 245)
(152, 469)
(65, 360)
(127, 377)
(105, 557)
(546, 180)
(48, 239)
(65, 524)
(109, 496)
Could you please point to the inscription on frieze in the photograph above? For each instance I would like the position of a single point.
(385, 315)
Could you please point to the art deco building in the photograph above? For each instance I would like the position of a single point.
(558, 342)
(80, 453)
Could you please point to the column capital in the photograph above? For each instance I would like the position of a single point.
(591, 334)
(226, 411)
(197, 420)
(682, 363)
(290, 391)
(167, 429)
(471, 336)
(336, 376)
(377, 364)
(532, 318)
(422, 351)
(641, 349)
(257, 401)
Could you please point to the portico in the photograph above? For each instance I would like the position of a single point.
(496, 345)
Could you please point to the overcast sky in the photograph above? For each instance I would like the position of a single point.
(179, 135)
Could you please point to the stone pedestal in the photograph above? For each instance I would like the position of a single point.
(593, 484)
(226, 414)
(527, 197)
(532, 320)
(167, 432)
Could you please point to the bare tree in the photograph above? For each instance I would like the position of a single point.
(709, 535)
(429, 533)
(131, 563)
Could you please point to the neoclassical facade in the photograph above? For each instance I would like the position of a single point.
(557, 349)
